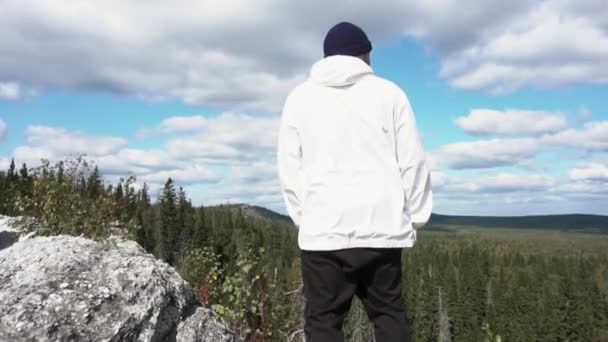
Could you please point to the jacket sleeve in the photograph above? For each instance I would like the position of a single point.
(289, 160)
(415, 175)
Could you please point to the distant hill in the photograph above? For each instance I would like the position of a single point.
(257, 212)
(565, 222)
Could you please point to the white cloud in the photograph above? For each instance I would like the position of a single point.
(247, 55)
(584, 114)
(207, 52)
(587, 182)
(439, 179)
(242, 146)
(183, 123)
(254, 172)
(505, 182)
(483, 154)
(153, 158)
(590, 172)
(186, 175)
(484, 122)
(254, 183)
(135, 161)
(2, 129)
(32, 155)
(229, 137)
(547, 46)
(261, 192)
(151, 166)
(434, 160)
(495, 184)
(4, 164)
(113, 165)
(592, 137)
(585, 189)
(72, 142)
(9, 91)
(497, 194)
(174, 124)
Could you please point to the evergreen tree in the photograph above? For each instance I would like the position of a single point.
(23, 173)
(94, 185)
(185, 222)
(130, 198)
(4, 194)
(168, 222)
(145, 220)
(456, 287)
(25, 182)
(11, 175)
(11, 189)
(118, 193)
(60, 172)
(201, 236)
(158, 233)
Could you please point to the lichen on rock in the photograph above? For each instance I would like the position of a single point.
(65, 288)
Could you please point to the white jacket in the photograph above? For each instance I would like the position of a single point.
(351, 163)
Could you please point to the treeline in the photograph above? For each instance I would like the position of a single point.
(565, 222)
(244, 268)
(247, 268)
(474, 292)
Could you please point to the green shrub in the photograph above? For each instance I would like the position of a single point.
(58, 203)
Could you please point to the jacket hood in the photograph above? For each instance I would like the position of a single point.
(339, 71)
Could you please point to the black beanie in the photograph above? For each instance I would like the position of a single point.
(346, 39)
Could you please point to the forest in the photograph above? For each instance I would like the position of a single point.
(460, 283)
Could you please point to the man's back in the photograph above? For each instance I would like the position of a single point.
(355, 182)
(346, 122)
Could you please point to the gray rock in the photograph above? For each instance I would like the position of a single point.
(73, 289)
(202, 326)
(8, 235)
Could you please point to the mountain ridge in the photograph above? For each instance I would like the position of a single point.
(564, 222)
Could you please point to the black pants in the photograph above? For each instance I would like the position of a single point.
(331, 278)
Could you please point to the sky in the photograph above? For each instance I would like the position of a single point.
(510, 96)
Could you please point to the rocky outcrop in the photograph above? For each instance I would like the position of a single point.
(8, 234)
(73, 289)
(201, 326)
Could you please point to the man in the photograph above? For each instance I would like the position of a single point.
(356, 183)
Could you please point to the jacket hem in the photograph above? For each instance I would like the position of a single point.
(332, 245)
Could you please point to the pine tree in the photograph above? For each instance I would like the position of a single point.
(201, 236)
(118, 193)
(60, 172)
(11, 187)
(82, 186)
(25, 182)
(11, 175)
(168, 222)
(145, 219)
(23, 172)
(4, 194)
(130, 198)
(184, 223)
(94, 185)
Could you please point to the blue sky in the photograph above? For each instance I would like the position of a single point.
(512, 110)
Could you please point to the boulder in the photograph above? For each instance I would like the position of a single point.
(65, 288)
(202, 326)
(8, 235)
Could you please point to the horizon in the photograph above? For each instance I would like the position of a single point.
(509, 128)
(433, 213)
